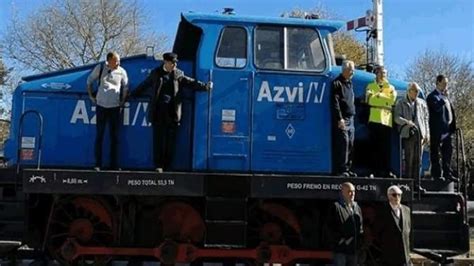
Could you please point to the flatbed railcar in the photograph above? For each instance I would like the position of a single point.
(252, 176)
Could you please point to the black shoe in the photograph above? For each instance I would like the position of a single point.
(421, 190)
(392, 175)
(343, 174)
(452, 179)
(352, 173)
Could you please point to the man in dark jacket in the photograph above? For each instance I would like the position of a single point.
(392, 230)
(343, 111)
(442, 125)
(164, 110)
(345, 227)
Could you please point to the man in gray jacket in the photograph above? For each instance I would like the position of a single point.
(411, 116)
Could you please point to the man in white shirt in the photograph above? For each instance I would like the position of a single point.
(111, 94)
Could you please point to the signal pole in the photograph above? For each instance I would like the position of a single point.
(372, 24)
(378, 40)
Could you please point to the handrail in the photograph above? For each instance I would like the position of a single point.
(20, 134)
(418, 151)
(461, 167)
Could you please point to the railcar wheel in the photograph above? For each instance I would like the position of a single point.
(369, 254)
(88, 220)
(180, 222)
(273, 223)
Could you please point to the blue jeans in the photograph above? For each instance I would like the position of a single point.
(341, 259)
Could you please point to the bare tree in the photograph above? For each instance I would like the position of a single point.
(320, 11)
(5, 89)
(69, 33)
(345, 43)
(5, 92)
(460, 73)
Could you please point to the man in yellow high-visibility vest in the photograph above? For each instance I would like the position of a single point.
(380, 96)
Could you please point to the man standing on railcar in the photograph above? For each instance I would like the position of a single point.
(442, 126)
(411, 116)
(380, 96)
(164, 110)
(111, 94)
(343, 111)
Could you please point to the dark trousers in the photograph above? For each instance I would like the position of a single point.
(164, 138)
(446, 152)
(341, 259)
(412, 152)
(104, 116)
(343, 145)
(380, 148)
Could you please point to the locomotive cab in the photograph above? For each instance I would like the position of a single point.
(268, 110)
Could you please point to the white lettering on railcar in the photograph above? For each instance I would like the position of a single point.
(287, 94)
(136, 115)
(150, 182)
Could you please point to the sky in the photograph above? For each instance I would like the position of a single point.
(410, 26)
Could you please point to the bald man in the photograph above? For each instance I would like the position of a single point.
(345, 227)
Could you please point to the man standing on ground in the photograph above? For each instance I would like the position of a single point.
(343, 111)
(345, 227)
(111, 94)
(392, 230)
(442, 126)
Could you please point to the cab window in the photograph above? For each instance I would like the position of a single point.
(289, 48)
(232, 49)
(269, 48)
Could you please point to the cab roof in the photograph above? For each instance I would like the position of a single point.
(193, 17)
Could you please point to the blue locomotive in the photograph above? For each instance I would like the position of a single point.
(252, 179)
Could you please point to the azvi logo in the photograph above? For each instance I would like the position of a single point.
(132, 114)
(312, 93)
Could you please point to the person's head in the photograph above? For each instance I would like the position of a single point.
(170, 61)
(413, 90)
(380, 73)
(442, 83)
(394, 195)
(113, 60)
(348, 192)
(347, 69)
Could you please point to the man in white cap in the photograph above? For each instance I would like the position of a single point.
(393, 226)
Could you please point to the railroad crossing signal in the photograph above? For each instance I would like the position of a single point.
(367, 21)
